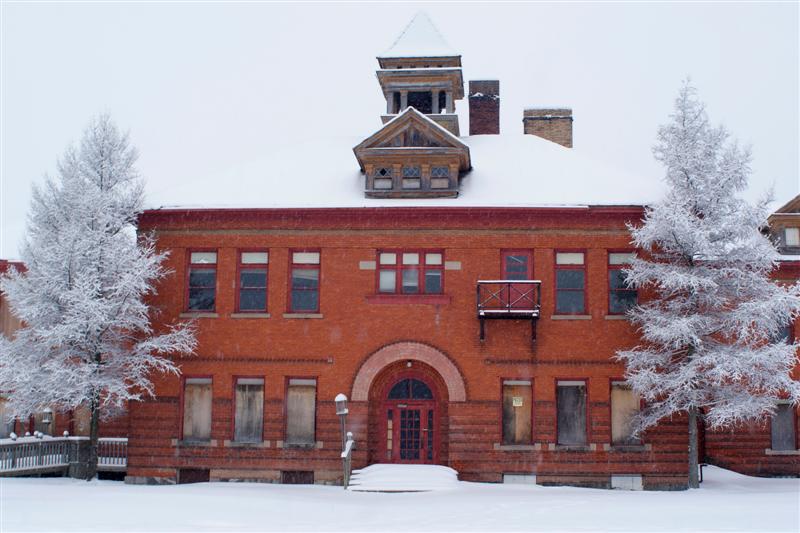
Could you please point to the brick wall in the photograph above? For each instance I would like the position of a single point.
(354, 326)
(553, 124)
(484, 107)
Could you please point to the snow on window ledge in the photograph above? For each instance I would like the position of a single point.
(518, 447)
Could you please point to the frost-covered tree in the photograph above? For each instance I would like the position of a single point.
(86, 338)
(710, 331)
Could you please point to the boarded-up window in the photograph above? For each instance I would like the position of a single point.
(301, 406)
(6, 422)
(516, 412)
(571, 407)
(249, 418)
(44, 421)
(624, 406)
(197, 409)
(784, 436)
(81, 421)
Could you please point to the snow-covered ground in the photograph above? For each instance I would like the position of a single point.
(726, 501)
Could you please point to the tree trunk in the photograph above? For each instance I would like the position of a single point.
(694, 481)
(94, 405)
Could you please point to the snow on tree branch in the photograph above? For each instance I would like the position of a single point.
(87, 334)
(711, 331)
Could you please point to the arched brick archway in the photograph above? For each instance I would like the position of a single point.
(413, 351)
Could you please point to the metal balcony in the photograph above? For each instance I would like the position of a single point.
(509, 299)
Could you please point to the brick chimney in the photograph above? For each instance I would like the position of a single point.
(551, 123)
(484, 107)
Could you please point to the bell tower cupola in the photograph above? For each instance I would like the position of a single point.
(420, 70)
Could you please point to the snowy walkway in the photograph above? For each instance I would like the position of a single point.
(726, 501)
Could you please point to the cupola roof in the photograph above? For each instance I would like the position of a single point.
(419, 39)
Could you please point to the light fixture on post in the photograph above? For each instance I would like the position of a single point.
(341, 412)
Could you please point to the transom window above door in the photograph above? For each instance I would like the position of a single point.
(410, 389)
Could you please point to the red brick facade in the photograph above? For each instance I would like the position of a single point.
(360, 343)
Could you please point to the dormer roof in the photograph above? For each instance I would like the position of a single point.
(419, 39)
(410, 132)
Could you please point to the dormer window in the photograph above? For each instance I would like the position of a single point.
(383, 178)
(440, 178)
(412, 178)
(791, 236)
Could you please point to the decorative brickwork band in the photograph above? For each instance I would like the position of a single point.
(413, 351)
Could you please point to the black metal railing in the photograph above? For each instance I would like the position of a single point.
(520, 299)
(512, 299)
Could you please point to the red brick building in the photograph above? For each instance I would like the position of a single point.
(470, 317)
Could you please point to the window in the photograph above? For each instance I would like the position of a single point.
(301, 407)
(792, 236)
(202, 281)
(6, 421)
(517, 265)
(197, 409)
(571, 413)
(410, 272)
(410, 389)
(570, 283)
(784, 333)
(625, 405)
(620, 296)
(253, 281)
(382, 178)
(440, 177)
(517, 403)
(783, 428)
(412, 178)
(248, 425)
(305, 282)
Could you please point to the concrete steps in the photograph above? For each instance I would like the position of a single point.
(403, 478)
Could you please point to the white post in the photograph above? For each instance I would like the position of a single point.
(403, 100)
(449, 96)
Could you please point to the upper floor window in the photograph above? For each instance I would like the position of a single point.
(252, 281)
(304, 289)
(517, 265)
(202, 281)
(570, 283)
(792, 236)
(620, 296)
(410, 272)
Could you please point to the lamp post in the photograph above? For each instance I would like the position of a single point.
(341, 412)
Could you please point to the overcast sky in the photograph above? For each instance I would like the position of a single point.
(204, 87)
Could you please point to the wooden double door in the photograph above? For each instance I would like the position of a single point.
(410, 422)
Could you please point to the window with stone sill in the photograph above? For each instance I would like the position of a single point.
(783, 428)
(410, 272)
(201, 281)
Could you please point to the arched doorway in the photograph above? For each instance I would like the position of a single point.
(410, 420)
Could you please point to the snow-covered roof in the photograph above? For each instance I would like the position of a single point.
(419, 39)
(509, 170)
